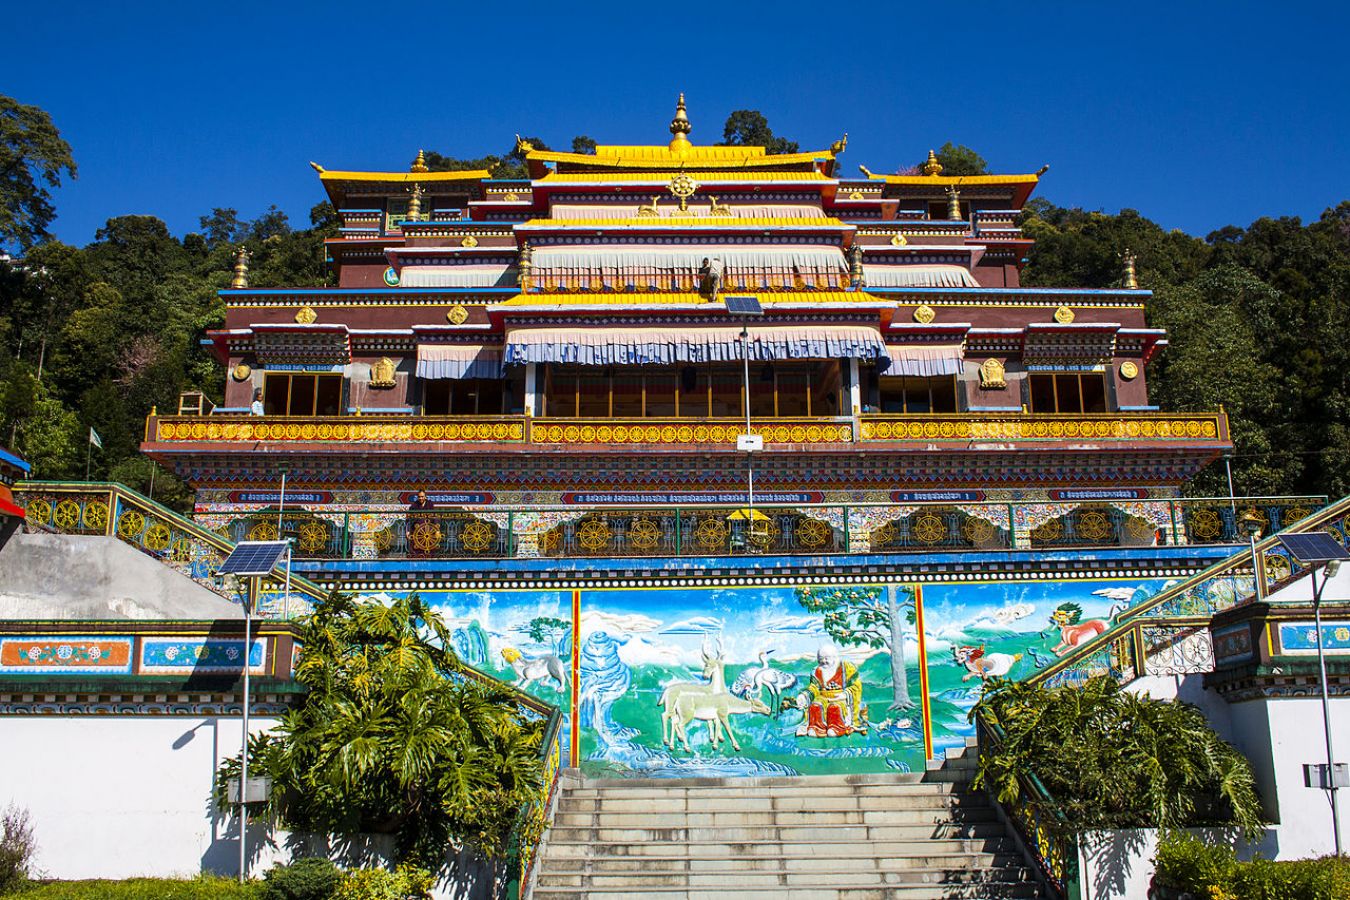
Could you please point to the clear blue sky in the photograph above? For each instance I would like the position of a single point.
(1197, 114)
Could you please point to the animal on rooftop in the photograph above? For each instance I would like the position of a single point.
(985, 665)
(530, 669)
(762, 679)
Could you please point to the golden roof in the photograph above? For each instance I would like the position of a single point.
(693, 222)
(636, 298)
(662, 177)
(657, 157)
(405, 177)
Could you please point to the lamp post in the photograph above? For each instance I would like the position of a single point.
(1251, 523)
(744, 307)
(243, 756)
(1328, 573)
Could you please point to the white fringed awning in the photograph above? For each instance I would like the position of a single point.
(664, 346)
(458, 361)
(925, 360)
(935, 276)
(481, 275)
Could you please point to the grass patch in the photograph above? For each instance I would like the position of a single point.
(143, 889)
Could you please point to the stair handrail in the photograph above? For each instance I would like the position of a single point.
(1054, 850)
(1127, 628)
(112, 526)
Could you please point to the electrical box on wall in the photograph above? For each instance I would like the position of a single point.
(1324, 777)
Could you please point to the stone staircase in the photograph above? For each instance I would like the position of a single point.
(854, 837)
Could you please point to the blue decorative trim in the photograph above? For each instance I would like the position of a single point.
(995, 409)
(6, 456)
(1139, 408)
(383, 410)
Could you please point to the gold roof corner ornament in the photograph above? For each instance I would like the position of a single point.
(866, 171)
(992, 375)
(718, 209)
(1042, 170)
(415, 203)
(925, 314)
(419, 164)
(316, 167)
(931, 166)
(1130, 278)
(382, 373)
(683, 187)
(240, 280)
(680, 127)
(840, 145)
(523, 146)
(457, 315)
(1129, 370)
(648, 210)
(306, 315)
(1064, 315)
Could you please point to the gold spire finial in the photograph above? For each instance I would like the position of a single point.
(1131, 277)
(240, 280)
(931, 165)
(316, 167)
(954, 202)
(415, 203)
(680, 127)
(419, 164)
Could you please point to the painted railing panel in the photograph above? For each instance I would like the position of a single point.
(176, 541)
(374, 426)
(495, 532)
(1159, 635)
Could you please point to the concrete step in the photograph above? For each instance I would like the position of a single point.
(837, 863)
(807, 788)
(786, 892)
(786, 833)
(767, 803)
(571, 781)
(569, 817)
(823, 876)
(561, 846)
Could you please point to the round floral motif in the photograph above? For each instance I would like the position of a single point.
(34, 653)
(1139, 529)
(213, 431)
(94, 653)
(684, 434)
(588, 434)
(307, 432)
(620, 434)
(571, 433)
(130, 524)
(170, 653)
(517, 431)
(500, 432)
(883, 536)
(450, 432)
(157, 537)
(403, 432)
(166, 431)
(181, 550)
(668, 434)
(65, 651)
(797, 434)
(781, 434)
(341, 432)
(38, 511)
(814, 434)
(947, 430)
(384, 540)
(764, 532)
(701, 434)
(717, 434)
(292, 431)
(1048, 532)
(325, 431)
(198, 431)
(1209, 430)
(232, 652)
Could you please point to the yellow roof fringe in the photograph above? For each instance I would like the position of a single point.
(664, 157)
(654, 298)
(954, 179)
(405, 177)
(691, 222)
(662, 177)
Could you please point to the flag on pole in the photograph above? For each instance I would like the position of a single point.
(94, 438)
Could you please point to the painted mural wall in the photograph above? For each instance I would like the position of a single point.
(773, 680)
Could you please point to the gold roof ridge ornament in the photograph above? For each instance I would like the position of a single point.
(683, 187)
(1130, 277)
(523, 147)
(316, 167)
(931, 166)
(240, 280)
(415, 203)
(419, 165)
(680, 127)
(840, 145)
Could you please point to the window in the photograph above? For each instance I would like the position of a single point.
(913, 394)
(692, 392)
(461, 397)
(1068, 392)
(302, 394)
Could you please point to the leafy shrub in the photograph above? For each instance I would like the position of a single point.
(404, 883)
(304, 879)
(1186, 863)
(16, 849)
(1113, 759)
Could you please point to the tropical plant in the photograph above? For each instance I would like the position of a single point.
(1187, 864)
(1113, 759)
(305, 879)
(393, 738)
(200, 888)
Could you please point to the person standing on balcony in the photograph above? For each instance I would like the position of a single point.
(420, 502)
(256, 407)
(421, 530)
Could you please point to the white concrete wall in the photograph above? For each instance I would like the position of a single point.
(114, 797)
(1118, 865)
(124, 796)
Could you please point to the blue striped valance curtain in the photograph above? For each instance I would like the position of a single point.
(458, 361)
(925, 360)
(666, 346)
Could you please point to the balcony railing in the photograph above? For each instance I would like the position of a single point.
(1092, 428)
(498, 532)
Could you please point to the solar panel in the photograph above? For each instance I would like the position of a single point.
(253, 558)
(1314, 547)
(743, 305)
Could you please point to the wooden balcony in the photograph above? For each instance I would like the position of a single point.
(1183, 429)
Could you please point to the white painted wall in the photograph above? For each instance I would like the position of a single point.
(124, 796)
(1118, 865)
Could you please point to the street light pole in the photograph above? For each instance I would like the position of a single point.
(749, 456)
(243, 758)
(1251, 523)
(1330, 572)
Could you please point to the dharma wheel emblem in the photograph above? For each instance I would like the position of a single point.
(684, 187)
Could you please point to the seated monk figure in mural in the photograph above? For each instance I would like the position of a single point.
(833, 699)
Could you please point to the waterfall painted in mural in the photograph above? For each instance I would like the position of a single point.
(780, 680)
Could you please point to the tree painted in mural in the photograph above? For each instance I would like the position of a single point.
(868, 617)
(549, 630)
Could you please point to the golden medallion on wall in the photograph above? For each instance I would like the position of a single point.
(1129, 371)
(469, 241)
(457, 315)
(306, 315)
(241, 372)
(925, 314)
(992, 375)
(1064, 315)
(382, 373)
(899, 240)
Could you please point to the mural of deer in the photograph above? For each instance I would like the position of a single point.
(689, 701)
